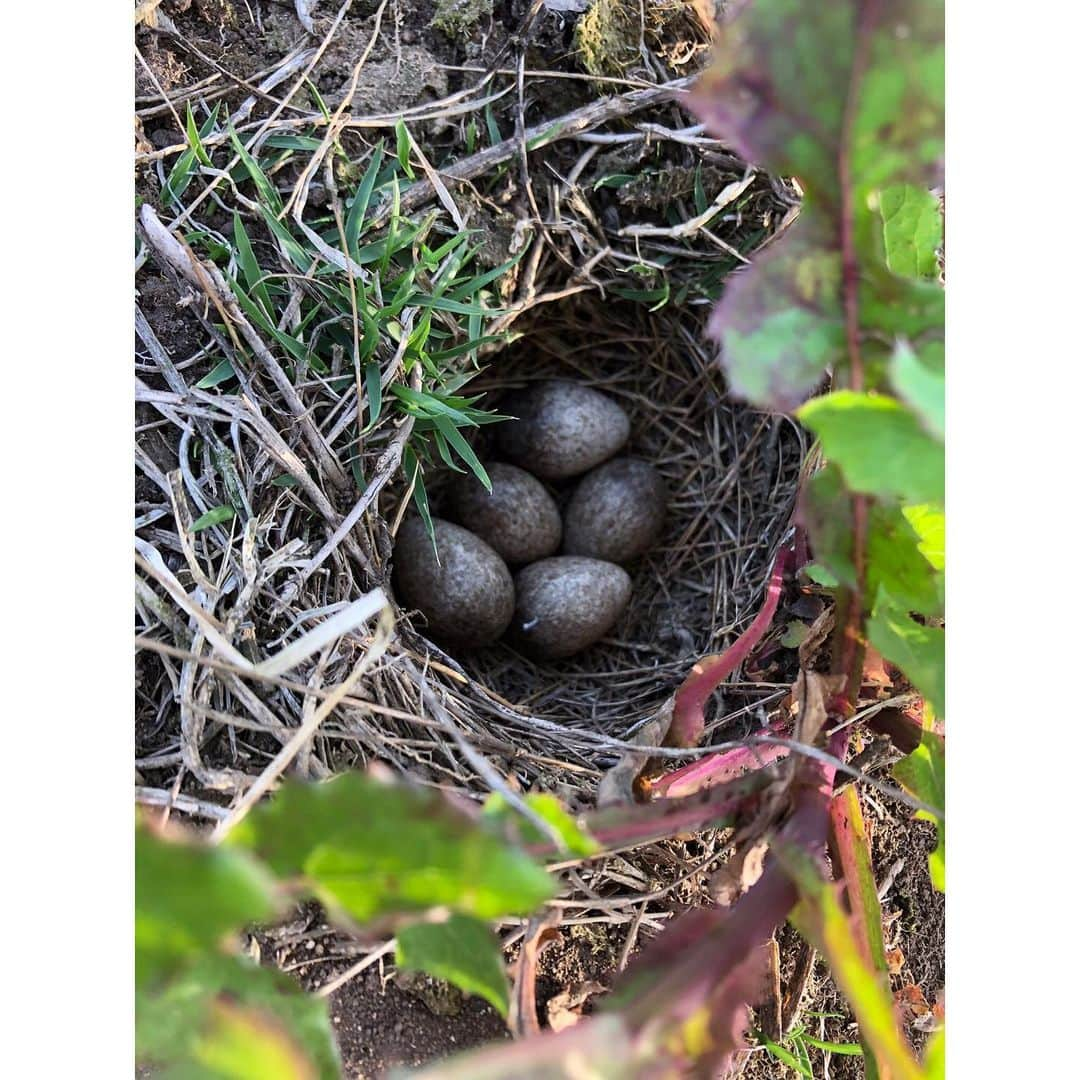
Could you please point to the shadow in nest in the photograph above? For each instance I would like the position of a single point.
(732, 473)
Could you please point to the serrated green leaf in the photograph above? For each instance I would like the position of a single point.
(576, 840)
(181, 1025)
(912, 227)
(374, 849)
(878, 444)
(187, 897)
(462, 951)
(922, 773)
(921, 387)
(782, 324)
(918, 650)
(217, 516)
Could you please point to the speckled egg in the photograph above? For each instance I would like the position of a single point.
(518, 518)
(562, 429)
(617, 511)
(567, 603)
(466, 595)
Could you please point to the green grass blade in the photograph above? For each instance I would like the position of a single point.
(354, 221)
(404, 146)
(267, 192)
(464, 450)
(249, 266)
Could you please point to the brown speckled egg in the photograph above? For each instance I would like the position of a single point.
(467, 595)
(562, 429)
(617, 511)
(567, 603)
(518, 518)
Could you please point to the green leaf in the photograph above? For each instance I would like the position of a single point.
(414, 476)
(852, 103)
(404, 145)
(219, 1016)
(782, 324)
(850, 1049)
(181, 174)
(217, 516)
(878, 444)
(928, 521)
(921, 387)
(919, 651)
(268, 195)
(821, 576)
(795, 634)
(249, 266)
(187, 898)
(922, 773)
(852, 80)
(464, 450)
(374, 849)
(785, 1056)
(194, 139)
(494, 134)
(576, 840)
(462, 951)
(354, 221)
(222, 372)
(912, 227)
(895, 561)
(934, 1058)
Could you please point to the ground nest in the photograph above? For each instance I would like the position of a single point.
(732, 473)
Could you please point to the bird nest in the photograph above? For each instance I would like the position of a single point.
(732, 473)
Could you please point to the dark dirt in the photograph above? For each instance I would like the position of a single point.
(380, 1026)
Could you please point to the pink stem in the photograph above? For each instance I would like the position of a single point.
(688, 718)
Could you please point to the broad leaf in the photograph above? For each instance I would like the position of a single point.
(183, 1024)
(922, 773)
(781, 321)
(879, 445)
(187, 898)
(576, 840)
(912, 227)
(849, 98)
(376, 848)
(918, 650)
(928, 521)
(462, 951)
(921, 387)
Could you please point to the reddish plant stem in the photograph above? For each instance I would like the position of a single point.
(688, 716)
